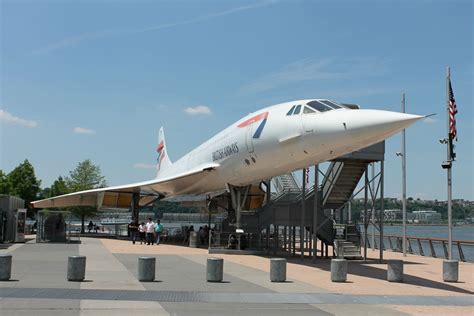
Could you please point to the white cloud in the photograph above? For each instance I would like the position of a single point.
(71, 41)
(197, 110)
(141, 165)
(208, 16)
(82, 130)
(12, 119)
(311, 69)
(85, 37)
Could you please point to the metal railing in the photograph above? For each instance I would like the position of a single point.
(286, 182)
(426, 246)
(330, 178)
(224, 240)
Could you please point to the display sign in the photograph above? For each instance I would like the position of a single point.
(340, 231)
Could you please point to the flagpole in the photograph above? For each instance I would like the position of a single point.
(449, 160)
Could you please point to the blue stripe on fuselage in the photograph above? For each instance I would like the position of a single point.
(259, 130)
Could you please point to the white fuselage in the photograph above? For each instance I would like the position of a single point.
(285, 143)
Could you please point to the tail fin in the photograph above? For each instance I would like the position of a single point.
(163, 160)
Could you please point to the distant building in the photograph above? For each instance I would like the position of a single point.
(425, 217)
(12, 218)
(388, 215)
(393, 215)
(118, 216)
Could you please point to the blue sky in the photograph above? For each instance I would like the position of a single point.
(96, 79)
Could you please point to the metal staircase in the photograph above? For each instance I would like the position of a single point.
(286, 187)
(340, 181)
(338, 185)
(349, 248)
(286, 183)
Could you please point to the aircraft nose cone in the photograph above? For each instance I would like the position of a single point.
(376, 125)
(389, 120)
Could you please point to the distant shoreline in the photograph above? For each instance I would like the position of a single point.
(410, 224)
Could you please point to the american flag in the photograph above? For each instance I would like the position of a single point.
(452, 114)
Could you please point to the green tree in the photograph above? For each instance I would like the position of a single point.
(85, 176)
(59, 187)
(24, 183)
(5, 185)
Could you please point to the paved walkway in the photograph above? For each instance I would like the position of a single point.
(39, 284)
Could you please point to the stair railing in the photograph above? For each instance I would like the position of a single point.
(330, 179)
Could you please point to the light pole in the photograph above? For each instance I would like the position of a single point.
(404, 185)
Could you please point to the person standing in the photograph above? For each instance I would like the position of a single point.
(188, 233)
(142, 232)
(202, 235)
(150, 232)
(133, 228)
(206, 234)
(158, 231)
(90, 226)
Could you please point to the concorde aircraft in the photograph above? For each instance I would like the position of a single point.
(269, 142)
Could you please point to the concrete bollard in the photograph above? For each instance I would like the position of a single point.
(450, 270)
(146, 269)
(395, 271)
(76, 268)
(278, 269)
(338, 270)
(215, 269)
(193, 239)
(5, 267)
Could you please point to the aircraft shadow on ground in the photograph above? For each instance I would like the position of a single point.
(359, 268)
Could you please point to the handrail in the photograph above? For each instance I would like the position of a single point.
(331, 175)
(432, 239)
(307, 194)
(280, 186)
(442, 241)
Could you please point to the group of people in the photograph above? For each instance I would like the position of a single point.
(203, 234)
(149, 233)
(233, 242)
(92, 226)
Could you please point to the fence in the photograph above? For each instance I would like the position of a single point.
(428, 246)
(230, 240)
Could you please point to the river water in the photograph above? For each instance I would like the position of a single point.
(464, 233)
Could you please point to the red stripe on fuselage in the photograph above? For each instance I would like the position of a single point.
(256, 118)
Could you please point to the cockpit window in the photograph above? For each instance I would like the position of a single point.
(297, 109)
(291, 110)
(308, 110)
(331, 104)
(318, 106)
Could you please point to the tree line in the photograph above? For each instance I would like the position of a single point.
(23, 183)
(460, 211)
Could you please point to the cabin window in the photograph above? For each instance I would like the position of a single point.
(307, 110)
(331, 104)
(291, 110)
(297, 109)
(318, 106)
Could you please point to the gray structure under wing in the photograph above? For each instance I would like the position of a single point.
(336, 189)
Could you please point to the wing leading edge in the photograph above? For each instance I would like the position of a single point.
(121, 196)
